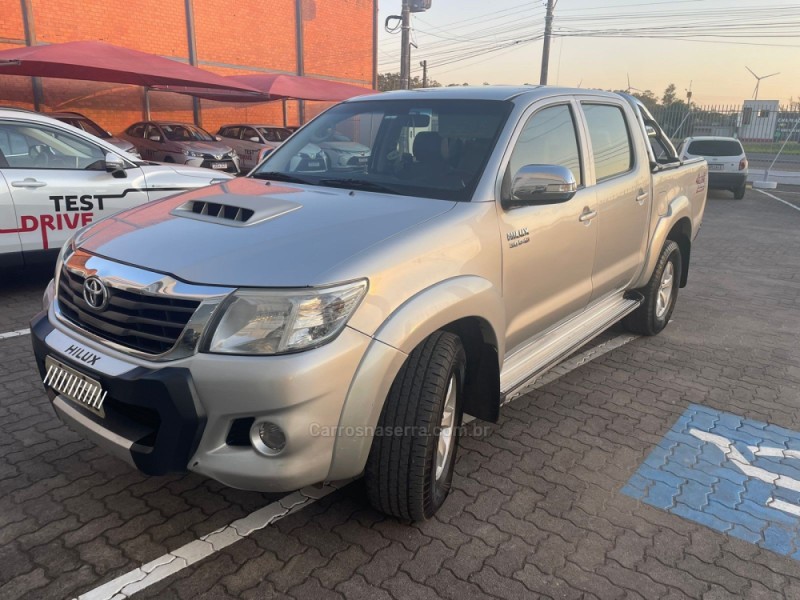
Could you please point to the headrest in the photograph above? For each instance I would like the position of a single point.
(428, 146)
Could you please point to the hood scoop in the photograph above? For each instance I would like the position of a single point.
(234, 210)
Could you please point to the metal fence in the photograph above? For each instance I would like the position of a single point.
(757, 124)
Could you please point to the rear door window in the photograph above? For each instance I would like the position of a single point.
(715, 148)
(611, 141)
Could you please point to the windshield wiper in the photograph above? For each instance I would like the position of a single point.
(278, 176)
(358, 184)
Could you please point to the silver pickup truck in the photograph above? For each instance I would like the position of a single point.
(298, 326)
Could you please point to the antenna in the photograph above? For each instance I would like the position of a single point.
(758, 80)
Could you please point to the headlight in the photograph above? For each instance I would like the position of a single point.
(233, 154)
(192, 153)
(278, 322)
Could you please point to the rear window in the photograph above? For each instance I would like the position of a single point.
(715, 148)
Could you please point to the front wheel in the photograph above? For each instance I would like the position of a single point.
(410, 466)
(660, 294)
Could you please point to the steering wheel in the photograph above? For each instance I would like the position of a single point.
(41, 154)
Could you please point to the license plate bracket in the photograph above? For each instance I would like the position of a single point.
(74, 386)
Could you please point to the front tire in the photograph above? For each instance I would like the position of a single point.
(660, 294)
(410, 466)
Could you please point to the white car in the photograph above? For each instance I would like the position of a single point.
(253, 142)
(55, 179)
(727, 162)
(183, 144)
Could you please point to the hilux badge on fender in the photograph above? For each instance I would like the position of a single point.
(95, 293)
(518, 237)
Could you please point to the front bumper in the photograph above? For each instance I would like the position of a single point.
(726, 181)
(185, 414)
(153, 419)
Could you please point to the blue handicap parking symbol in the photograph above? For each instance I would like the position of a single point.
(735, 475)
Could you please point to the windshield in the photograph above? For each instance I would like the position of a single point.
(274, 134)
(715, 148)
(429, 148)
(87, 126)
(186, 133)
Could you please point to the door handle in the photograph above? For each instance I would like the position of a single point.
(587, 215)
(642, 197)
(29, 183)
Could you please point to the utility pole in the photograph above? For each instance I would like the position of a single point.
(424, 65)
(405, 51)
(548, 31)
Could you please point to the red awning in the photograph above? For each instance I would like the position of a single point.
(280, 86)
(277, 86)
(99, 61)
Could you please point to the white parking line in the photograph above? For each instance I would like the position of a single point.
(797, 208)
(135, 581)
(13, 334)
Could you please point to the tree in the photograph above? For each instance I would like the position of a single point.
(391, 81)
(670, 96)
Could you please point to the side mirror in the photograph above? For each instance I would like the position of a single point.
(218, 138)
(541, 184)
(155, 138)
(114, 164)
(254, 139)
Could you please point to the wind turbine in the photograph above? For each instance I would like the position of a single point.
(758, 80)
(631, 88)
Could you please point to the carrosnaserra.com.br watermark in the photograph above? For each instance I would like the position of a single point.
(471, 429)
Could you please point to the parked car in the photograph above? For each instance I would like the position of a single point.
(182, 143)
(727, 162)
(253, 142)
(317, 325)
(86, 124)
(343, 154)
(55, 179)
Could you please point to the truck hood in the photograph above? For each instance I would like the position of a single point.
(294, 238)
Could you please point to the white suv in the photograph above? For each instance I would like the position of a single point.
(727, 162)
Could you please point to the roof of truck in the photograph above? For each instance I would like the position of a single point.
(482, 92)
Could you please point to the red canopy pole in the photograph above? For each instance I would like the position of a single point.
(30, 40)
(285, 122)
(190, 36)
(146, 103)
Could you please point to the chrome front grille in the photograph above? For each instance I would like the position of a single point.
(151, 324)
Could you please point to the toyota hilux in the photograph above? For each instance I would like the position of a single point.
(299, 326)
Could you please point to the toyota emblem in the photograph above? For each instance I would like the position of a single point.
(95, 293)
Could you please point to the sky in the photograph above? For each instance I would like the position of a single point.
(472, 41)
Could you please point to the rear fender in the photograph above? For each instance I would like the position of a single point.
(677, 209)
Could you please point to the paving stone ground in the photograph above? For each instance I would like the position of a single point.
(536, 510)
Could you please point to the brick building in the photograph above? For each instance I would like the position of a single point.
(332, 39)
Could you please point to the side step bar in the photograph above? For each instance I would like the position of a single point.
(535, 359)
